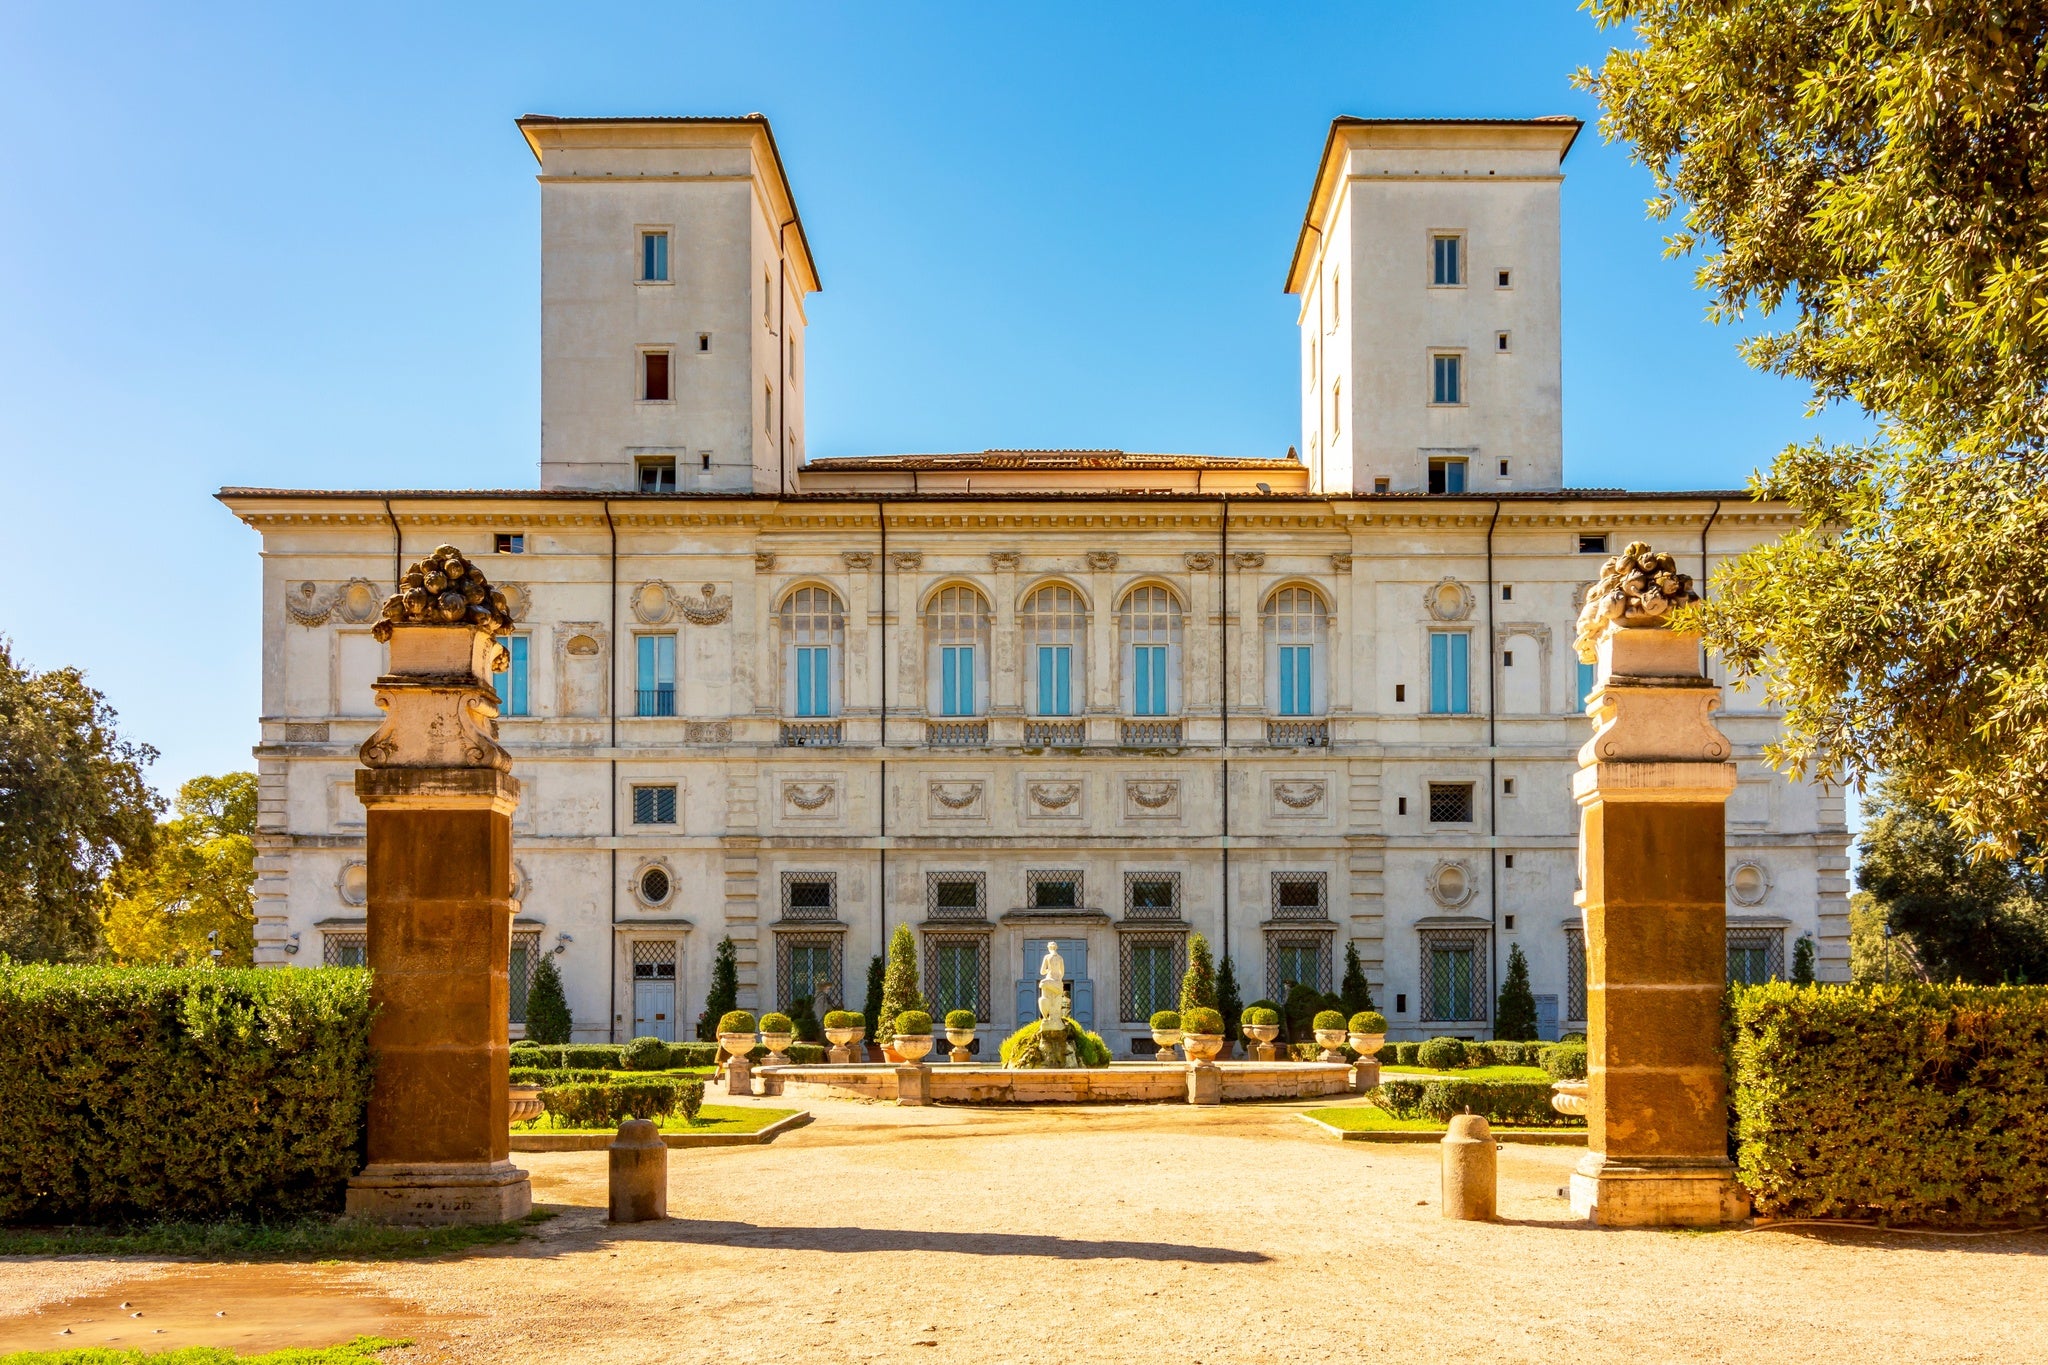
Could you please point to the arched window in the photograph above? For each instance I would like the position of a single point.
(1297, 627)
(956, 630)
(813, 646)
(1055, 669)
(1150, 625)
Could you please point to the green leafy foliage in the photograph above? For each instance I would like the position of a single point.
(803, 1021)
(357, 1351)
(189, 896)
(1163, 1020)
(1298, 1014)
(1198, 983)
(1441, 1054)
(1198, 1020)
(1367, 1021)
(607, 1103)
(724, 995)
(1406, 1054)
(547, 1006)
(1802, 961)
(73, 805)
(1328, 1019)
(1354, 991)
(736, 1021)
(162, 1092)
(1524, 1104)
(1261, 1013)
(1515, 1011)
(1911, 1103)
(844, 1019)
(646, 1054)
(1089, 1048)
(1228, 1003)
(1963, 915)
(900, 992)
(912, 1022)
(1870, 179)
(1564, 1061)
(776, 1023)
(871, 1009)
(961, 1019)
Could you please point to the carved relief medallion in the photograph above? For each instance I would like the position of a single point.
(1450, 884)
(654, 603)
(1152, 798)
(709, 608)
(955, 800)
(1449, 600)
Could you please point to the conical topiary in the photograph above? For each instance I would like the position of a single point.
(899, 983)
(1228, 1002)
(1802, 961)
(1515, 1017)
(871, 1007)
(725, 991)
(1354, 989)
(1198, 986)
(547, 1008)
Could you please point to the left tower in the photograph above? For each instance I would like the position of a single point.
(674, 272)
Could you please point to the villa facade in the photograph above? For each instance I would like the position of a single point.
(1012, 697)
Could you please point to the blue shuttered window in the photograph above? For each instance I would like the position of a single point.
(1148, 680)
(654, 257)
(1447, 376)
(656, 678)
(511, 684)
(1450, 692)
(813, 680)
(1586, 672)
(1055, 680)
(1297, 680)
(956, 680)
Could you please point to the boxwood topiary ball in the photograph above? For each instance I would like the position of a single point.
(1441, 1054)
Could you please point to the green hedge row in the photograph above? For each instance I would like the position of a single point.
(1525, 1104)
(1456, 1052)
(607, 1104)
(1925, 1104)
(660, 1057)
(179, 1092)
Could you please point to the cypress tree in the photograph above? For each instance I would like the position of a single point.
(899, 983)
(1355, 990)
(547, 1009)
(1515, 1015)
(1802, 961)
(1198, 986)
(1227, 1002)
(872, 1005)
(724, 996)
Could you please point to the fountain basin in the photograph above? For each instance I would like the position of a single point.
(1120, 1083)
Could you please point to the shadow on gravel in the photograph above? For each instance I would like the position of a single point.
(707, 1232)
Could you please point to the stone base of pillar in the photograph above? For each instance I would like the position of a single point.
(433, 1194)
(1642, 1192)
(1266, 1052)
(1365, 1075)
(961, 1055)
(839, 1056)
(913, 1084)
(771, 1083)
(1205, 1083)
(739, 1076)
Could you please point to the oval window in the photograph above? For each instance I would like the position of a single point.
(654, 886)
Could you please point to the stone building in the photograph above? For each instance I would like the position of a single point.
(1088, 696)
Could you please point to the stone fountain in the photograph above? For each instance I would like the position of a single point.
(1053, 1046)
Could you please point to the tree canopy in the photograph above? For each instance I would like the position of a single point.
(1983, 920)
(1870, 178)
(194, 883)
(73, 804)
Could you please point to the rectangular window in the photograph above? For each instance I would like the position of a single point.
(955, 896)
(1445, 267)
(345, 950)
(1152, 896)
(654, 377)
(1587, 674)
(956, 977)
(768, 406)
(654, 805)
(1592, 545)
(1297, 680)
(1446, 476)
(956, 680)
(1755, 956)
(807, 897)
(654, 257)
(522, 964)
(1575, 974)
(656, 680)
(1054, 890)
(511, 683)
(1454, 975)
(1337, 409)
(814, 680)
(1503, 279)
(1447, 382)
(810, 962)
(658, 476)
(1500, 341)
(1296, 962)
(1450, 803)
(1148, 680)
(1055, 680)
(1155, 979)
(1450, 981)
(1449, 682)
(1299, 895)
(509, 543)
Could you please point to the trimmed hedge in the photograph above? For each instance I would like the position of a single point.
(736, 1021)
(1924, 1104)
(776, 1023)
(1200, 1020)
(1564, 1061)
(1089, 1048)
(1525, 1104)
(646, 1054)
(609, 1103)
(161, 1093)
(1328, 1019)
(844, 1019)
(612, 1056)
(1441, 1054)
(1163, 1020)
(962, 1019)
(1368, 1021)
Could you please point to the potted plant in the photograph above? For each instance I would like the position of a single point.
(844, 1028)
(1166, 1032)
(1368, 1033)
(913, 1035)
(960, 1025)
(736, 1033)
(1201, 1033)
(525, 1103)
(1261, 1024)
(1328, 1026)
(776, 1032)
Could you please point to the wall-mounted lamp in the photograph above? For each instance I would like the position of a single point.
(292, 946)
(563, 940)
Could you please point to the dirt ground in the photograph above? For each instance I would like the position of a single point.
(1161, 1233)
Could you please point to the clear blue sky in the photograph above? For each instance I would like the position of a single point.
(297, 245)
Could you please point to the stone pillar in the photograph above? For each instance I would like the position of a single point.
(1652, 787)
(913, 1084)
(439, 803)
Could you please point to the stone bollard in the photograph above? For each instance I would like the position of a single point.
(1470, 1169)
(1365, 1075)
(913, 1084)
(739, 1076)
(639, 1160)
(1205, 1083)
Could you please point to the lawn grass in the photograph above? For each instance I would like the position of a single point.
(712, 1118)
(1370, 1118)
(361, 1351)
(296, 1239)
(1476, 1073)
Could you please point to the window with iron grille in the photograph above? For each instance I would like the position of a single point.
(1575, 974)
(956, 895)
(1151, 966)
(525, 962)
(654, 805)
(654, 959)
(810, 965)
(1053, 890)
(350, 949)
(1152, 895)
(1450, 803)
(1301, 955)
(1755, 956)
(1301, 895)
(1455, 971)
(810, 895)
(956, 966)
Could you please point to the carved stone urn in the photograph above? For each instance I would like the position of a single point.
(1168, 1039)
(524, 1103)
(778, 1048)
(1262, 1035)
(842, 1040)
(1367, 1045)
(911, 1047)
(961, 1039)
(1569, 1098)
(1331, 1041)
(736, 1045)
(1201, 1047)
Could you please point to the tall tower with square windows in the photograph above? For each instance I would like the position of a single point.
(1427, 269)
(674, 271)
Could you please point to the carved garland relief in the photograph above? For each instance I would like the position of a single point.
(355, 602)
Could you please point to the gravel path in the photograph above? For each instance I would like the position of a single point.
(1137, 1234)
